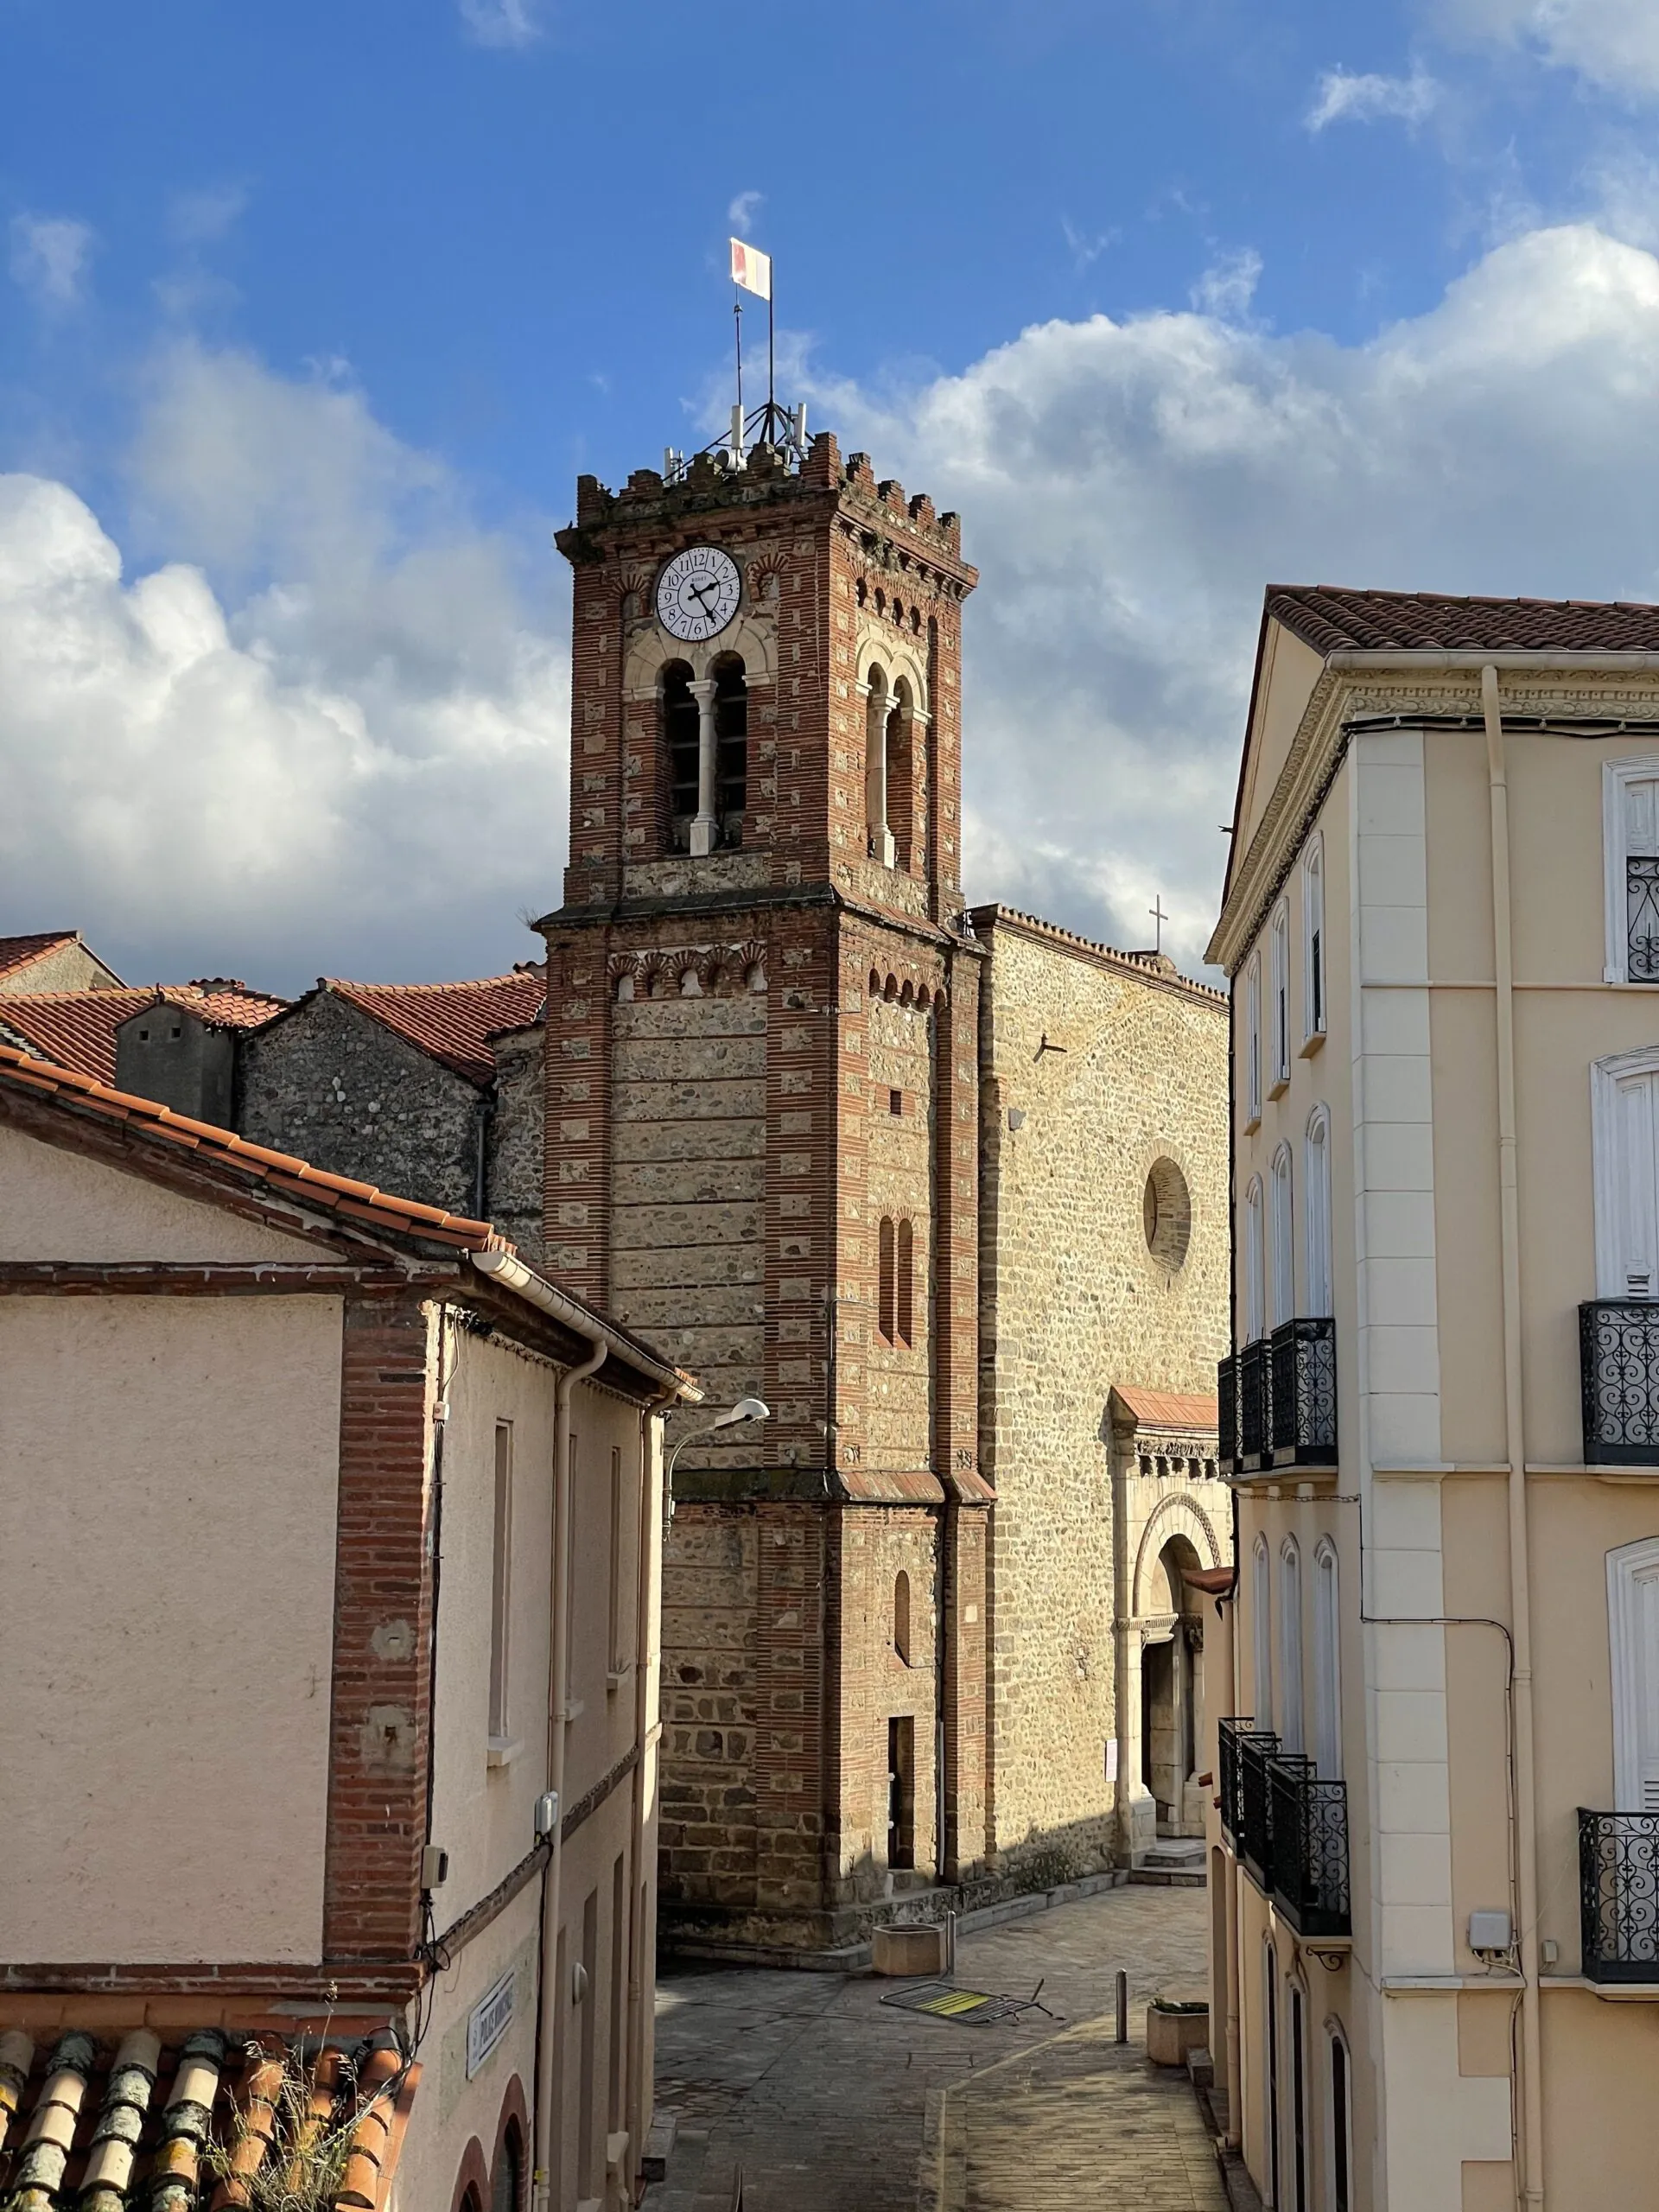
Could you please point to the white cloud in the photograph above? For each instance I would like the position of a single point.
(1615, 43)
(502, 22)
(49, 256)
(349, 756)
(204, 217)
(1345, 96)
(1128, 489)
(1228, 286)
(1084, 248)
(744, 209)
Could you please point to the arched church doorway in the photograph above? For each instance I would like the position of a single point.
(1169, 1693)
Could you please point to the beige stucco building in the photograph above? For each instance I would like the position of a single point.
(1436, 1828)
(314, 1505)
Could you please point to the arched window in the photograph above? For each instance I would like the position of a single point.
(1300, 2198)
(901, 1616)
(885, 1299)
(1328, 1665)
(1316, 1202)
(878, 712)
(906, 1314)
(731, 748)
(1633, 1628)
(1270, 2026)
(1253, 1039)
(1255, 1302)
(680, 725)
(1281, 1273)
(507, 2184)
(1314, 940)
(1279, 1041)
(903, 814)
(1290, 1647)
(1341, 2177)
(1261, 1634)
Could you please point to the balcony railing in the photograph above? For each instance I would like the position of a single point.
(1618, 1367)
(1234, 1732)
(1308, 1847)
(1227, 1413)
(1618, 1895)
(1284, 1390)
(1288, 1827)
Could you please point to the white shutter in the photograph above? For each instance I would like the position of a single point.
(1646, 1698)
(1642, 818)
(1636, 1187)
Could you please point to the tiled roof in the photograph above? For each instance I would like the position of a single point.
(76, 1028)
(1174, 1409)
(453, 1022)
(17, 952)
(358, 1202)
(1333, 619)
(173, 2125)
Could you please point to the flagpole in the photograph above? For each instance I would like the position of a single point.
(770, 393)
(737, 326)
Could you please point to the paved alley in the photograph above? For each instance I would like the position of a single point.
(829, 2099)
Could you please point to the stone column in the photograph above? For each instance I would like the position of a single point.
(705, 829)
(875, 771)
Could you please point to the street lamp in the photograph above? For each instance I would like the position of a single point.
(745, 1410)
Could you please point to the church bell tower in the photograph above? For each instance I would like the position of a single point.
(761, 1144)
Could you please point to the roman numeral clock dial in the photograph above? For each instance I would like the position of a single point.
(697, 594)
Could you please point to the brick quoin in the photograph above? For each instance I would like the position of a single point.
(383, 1629)
(724, 1038)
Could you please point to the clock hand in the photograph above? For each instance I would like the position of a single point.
(701, 591)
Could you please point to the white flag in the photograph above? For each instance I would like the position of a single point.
(751, 269)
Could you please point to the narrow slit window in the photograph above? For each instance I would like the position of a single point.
(501, 1581)
(901, 1792)
(901, 1616)
(886, 1320)
(905, 1316)
(619, 1564)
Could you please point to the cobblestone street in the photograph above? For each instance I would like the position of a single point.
(828, 2098)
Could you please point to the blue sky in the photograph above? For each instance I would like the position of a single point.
(313, 314)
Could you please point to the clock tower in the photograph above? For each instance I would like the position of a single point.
(762, 1120)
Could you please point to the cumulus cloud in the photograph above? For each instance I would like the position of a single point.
(1347, 96)
(502, 22)
(50, 256)
(325, 733)
(1129, 487)
(1614, 43)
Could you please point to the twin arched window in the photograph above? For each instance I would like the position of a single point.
(895, 1304)
(892, 787)
(705, 733)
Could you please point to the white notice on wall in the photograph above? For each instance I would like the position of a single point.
(1111, 1760)
(488, 2021)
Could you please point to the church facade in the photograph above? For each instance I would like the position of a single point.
(776, 1050)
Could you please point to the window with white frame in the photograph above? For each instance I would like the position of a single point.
(1327, 1666)
(1313, 941)
(1624, 1138)
(1253, 1039)
(1281, 1272)
(1630, 859)
(1261, 1633)
(1255, 1301)
(1290, 1647)
(1316, 1212)
(1633, 1634)
(501, 1583)
(1279, 1039)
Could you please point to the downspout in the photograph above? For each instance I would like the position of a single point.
(1531, 2083)
(558, 1694)
(641, 1930)
(1234, 1936)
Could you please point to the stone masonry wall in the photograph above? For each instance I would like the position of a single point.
(331, 1084)
(1073, 1301)
(513, 1186)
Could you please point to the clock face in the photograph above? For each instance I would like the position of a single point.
(697, 594)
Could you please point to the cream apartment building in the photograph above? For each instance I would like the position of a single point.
(1435, 1834)
(330, 1539)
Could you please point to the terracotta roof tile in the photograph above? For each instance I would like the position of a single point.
(334, 1193)
(76, 1028)
(17, 952)
(1332, 619)
(189, 2119)
(1176, 1410)
(453, 1022)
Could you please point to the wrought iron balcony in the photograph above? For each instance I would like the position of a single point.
(1308, 1847)
(1279, 1395)
(1234, 1732)
(1618, 1895)
(1618, 1367)
(1253, 1836)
